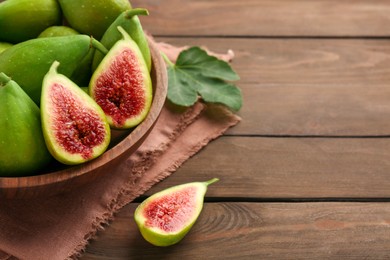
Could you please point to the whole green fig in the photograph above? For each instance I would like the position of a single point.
(21, 20)
(22, 146)
(83, 72)
(58, 30)
(92, 17)
(28, 62)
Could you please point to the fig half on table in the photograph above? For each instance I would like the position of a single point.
(167, 216)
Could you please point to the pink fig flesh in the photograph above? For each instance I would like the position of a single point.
(122, 86)
(170, 213)
(167, 216)
(74, 126)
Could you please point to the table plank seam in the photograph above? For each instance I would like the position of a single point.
(210, 199)
(309, 136)
(276, 37)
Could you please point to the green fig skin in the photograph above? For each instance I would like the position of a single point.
(85, 89)
(79, 134)
(114, 113)
(92, 17)
(56, 31)
(129, 21)
(28, 62)
(4, 46)
(83, 72)
(160, 201)
(22, 146)
(21, 20)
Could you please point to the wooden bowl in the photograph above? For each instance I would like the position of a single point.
(60, 178)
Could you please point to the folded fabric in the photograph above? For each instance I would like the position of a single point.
(59, 227)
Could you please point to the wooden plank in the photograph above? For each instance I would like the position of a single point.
(309, 87)
(267, 17)
(302, 61)
(260, 231)
(309, 110)
(257, 167)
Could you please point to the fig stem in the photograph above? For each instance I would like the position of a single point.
(136, 11)
(122, 31)
(97, 45)
(211, 181)
(166, 59)
(4, 79)
(54, 66)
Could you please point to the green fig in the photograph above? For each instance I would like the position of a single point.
(121, 84)
(59, 30)
(129, 21)
(22, 146)
(74, 126)
(92, 17)
(28, 62)
(4, 46)
(82, 74)
(21, 20)
(167, 216)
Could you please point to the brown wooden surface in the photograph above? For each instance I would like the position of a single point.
(261, 231)
(327, 87)
(306, 174)
(268, 17)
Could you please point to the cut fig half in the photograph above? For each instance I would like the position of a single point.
(74, 126)
(167, 216)
(121, 84)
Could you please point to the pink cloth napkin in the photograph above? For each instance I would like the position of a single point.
(59, 227)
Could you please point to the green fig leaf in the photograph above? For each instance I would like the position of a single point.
(197, 73)
(179, 92)
(197, 61)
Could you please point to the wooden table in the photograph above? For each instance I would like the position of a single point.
(306, 174)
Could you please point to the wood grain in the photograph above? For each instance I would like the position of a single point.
(310, 110)
(267, 17)
(260, 231)
(315, 77)
(309, 87)
(302, 61)
(290, 168)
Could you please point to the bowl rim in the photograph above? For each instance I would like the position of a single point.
(118, 150)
